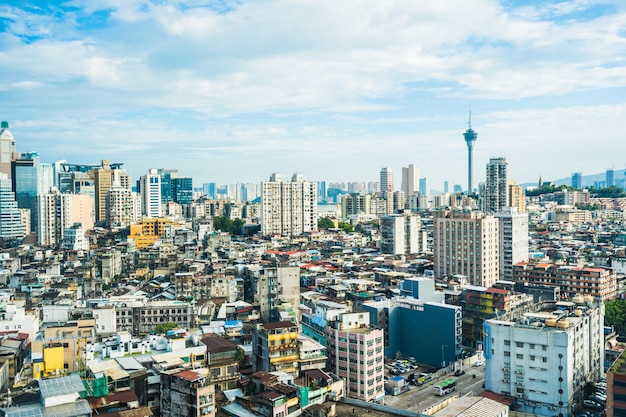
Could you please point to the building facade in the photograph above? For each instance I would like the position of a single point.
(496, 186)
(288, 208)
(401, 234)
(467, 243)
(513, 236)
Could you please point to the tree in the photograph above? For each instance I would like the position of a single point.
(615, 315)
(347, 227)
(164, 328)
(325, 223)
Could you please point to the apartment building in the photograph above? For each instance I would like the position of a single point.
(355, 351)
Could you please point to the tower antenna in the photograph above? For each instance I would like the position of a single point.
(469, 122)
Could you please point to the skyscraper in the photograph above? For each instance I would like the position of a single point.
(151, 194)
(410, 180)
(610, 177)
(288, 208)
(470, 137)
(577, 180)
(496, 192)
(386, 180)
(30, 178)
(10, 225)
(7, 149)
(424, 186)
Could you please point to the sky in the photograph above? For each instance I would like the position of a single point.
(232, 91)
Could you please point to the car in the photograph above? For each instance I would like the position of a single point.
(592, 404)
(598, 399)
(459, 372)
(478, 363)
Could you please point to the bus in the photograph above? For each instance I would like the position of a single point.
(444, 387)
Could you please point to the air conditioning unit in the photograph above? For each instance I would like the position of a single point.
(505, 369)
(520, 395)
(506, 381)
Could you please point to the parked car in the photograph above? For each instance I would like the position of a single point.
(592, 404)
(459, 372)
(478, 363)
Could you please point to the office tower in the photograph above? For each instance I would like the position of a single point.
(182, 190)
(467, 243)
(11, 226)
(470, 137)
(7, 149)
(210, 189)
(57, 212)
(167, 188)
(577, 180)
(386, 180)
(424, 186)
(401, 234)
(355, 204)
(322, 190)
(288, 208)
(547, 358)
(513, 231)
(355, 351)
(410, 180)
(496, 193)
(30, 178)
(458, 188)
(516, 197)
(151, 194)
(446, 187)
(610, 177)
(103, 180)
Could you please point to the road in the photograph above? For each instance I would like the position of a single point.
(418, 399)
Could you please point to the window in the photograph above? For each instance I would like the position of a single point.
(519, 344)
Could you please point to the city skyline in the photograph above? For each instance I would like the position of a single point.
(230, 92)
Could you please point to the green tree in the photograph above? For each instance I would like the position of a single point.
(347, 227)
(325, 223)
(236, 227)
(164, 328)
(615, 315)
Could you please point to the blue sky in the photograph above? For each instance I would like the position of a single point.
(231, 91)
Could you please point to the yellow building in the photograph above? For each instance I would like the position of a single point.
(148, 231)
(60, 350)
(517, 198)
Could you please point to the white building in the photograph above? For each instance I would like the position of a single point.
(513, 232)
(123, 206)
(57, 212)
(288, 208)
(546, 358)
(410, 180)
(150, 185)
(401, 234)
(13, 317)
(74, 238)
(496, 193)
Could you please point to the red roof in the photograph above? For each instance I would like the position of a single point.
(189, 375)
(502, 399)
(497, 291)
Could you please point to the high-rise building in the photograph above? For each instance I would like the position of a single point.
(496, 192)
(610, 177)
(466, 243)
(517, 198)
(513, 240)
(210, 189)
(57, 212)
(182, 190)
(151, 194)
(167, 187)
(7, 149)
(547, 358)
(470, 137)
(276, 288)
(355, 351)
(386, 180)
(11, 226)
(123, 206)
(103, 180)
(446, 187)
(410, 180)
(30, 178)
(288, 208)
(322, 190)
(577, 180)
(355, 204)
(400, 234)
(425, 186)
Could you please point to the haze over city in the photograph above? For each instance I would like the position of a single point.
(230, 91)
